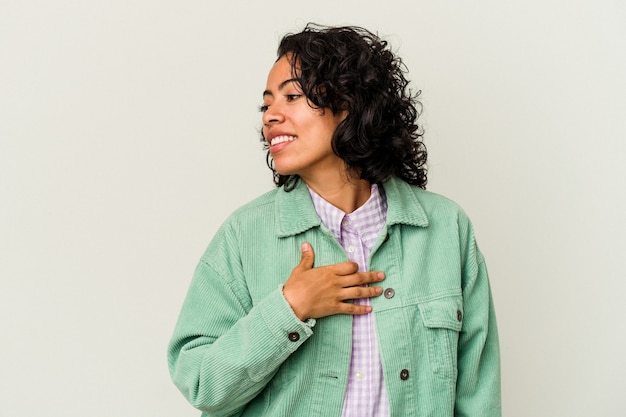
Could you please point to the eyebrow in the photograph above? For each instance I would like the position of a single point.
(280, 86)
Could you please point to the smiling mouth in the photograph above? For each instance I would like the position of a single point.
(282, 139)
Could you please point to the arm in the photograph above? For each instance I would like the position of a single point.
(224, 350)
(478, 383)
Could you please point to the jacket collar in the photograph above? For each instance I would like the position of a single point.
(295, 212)
(403, 205)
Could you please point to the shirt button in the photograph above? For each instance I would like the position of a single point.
(404, 374)
(389, 293)
(294, 336)
(351, 249)
(459, 315)
(359, 375)
(345, 221)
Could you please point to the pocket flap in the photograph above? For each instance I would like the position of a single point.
(445, 312)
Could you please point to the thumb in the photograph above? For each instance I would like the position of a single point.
(308, 257)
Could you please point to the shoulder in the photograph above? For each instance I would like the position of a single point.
(446, 219)
(244, 225)
(435, 204)
(408, 202)
(251, 217)
(443, 211)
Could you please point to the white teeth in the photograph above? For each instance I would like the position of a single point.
(281, 139)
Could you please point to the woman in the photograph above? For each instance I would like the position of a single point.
(348, 290)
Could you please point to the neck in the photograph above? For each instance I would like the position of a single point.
(345, 193)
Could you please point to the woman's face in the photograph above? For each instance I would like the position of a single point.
(299, 136)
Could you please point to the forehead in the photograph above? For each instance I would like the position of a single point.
(280, 71)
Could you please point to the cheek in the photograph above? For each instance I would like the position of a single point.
(330, 126)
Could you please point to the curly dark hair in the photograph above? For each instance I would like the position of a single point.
(350, 68)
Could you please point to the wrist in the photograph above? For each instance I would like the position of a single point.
(295, 308)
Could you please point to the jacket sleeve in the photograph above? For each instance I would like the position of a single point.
(478, 383)
(225, 348)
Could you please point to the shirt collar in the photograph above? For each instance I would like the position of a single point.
(332, 216)
(295, 212)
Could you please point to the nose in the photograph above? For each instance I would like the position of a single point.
(273, 115)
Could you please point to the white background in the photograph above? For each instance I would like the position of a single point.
(128, 132)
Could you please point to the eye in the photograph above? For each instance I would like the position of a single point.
(292, 97)
(263, 108)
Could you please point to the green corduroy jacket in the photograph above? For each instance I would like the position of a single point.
(239, 350)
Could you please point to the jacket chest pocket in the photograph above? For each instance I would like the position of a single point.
(443, 321)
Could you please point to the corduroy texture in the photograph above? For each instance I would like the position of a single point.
(238, 349)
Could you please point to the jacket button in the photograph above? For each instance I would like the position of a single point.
(404, 374)
(389, 293)
(294, 336)
(459, 315)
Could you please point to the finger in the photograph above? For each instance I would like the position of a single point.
(352, 293)
(354, 309)
(307, 257)
(345, 268)
(361, 278)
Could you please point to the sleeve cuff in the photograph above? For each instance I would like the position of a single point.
(282, 321)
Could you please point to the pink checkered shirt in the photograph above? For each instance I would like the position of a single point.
(366, 395)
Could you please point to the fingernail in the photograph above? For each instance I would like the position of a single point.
(381, 275)
(378, 290)
(305, 247)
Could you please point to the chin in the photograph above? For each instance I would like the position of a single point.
(285, 170)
